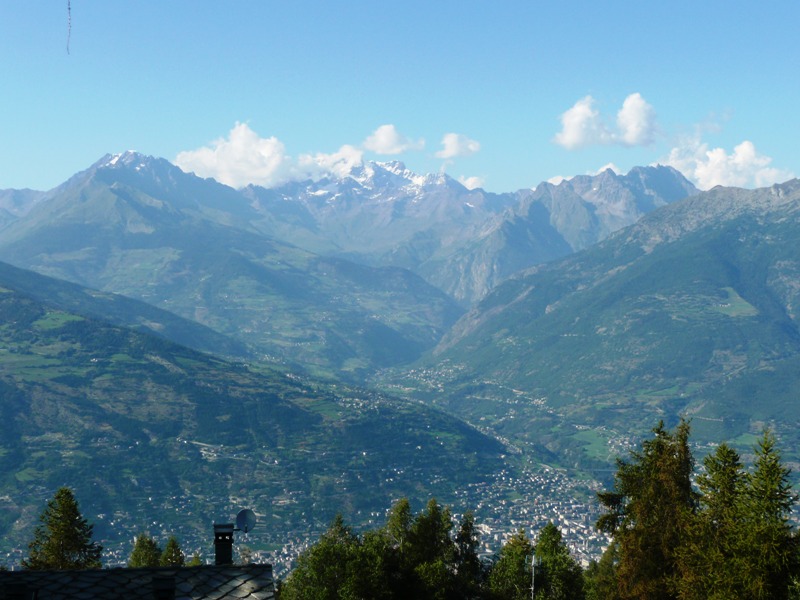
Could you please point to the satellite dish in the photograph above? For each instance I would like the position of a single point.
(245, 520)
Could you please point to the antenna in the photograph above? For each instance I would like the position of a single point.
(245, 520)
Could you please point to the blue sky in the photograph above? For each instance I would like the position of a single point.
(499, 94)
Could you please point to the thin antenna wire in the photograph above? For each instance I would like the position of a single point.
(69, 23)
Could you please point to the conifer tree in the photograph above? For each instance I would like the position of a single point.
(63, 539)
(173, 555)
(648, 512)
(600, 578)
(398, 523)
(468, 568)
(714, 551)
(772, 547)
(326, 571)
(510, 577)
(430, 551)
(145, 553)
(560, 576)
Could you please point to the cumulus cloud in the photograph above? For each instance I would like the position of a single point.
(583, 125)
(456, 144)
(242, 158)
(338, 163)
(707, 167)
(245, 158)
(471, 183)
(387, 140)
(636, 121)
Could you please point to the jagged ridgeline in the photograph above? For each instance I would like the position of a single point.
(150, 433)
(693, 311)
(343, 276)
(141, 227)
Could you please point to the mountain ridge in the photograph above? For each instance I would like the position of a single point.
(693, 310)
(442, 230)
(152, 434)
(140, 227)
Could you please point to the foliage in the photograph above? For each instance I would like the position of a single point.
(600, 578)
(63, 539)
(731, 539)
(510, 577)
(410, 557)
(768, 536)
(469, 571)
(648, 512)
(196, 561)
(326, 571)
(173, 555)
(145, 553)
(558, 574)
(714, 551)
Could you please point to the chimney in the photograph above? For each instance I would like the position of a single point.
(164, 587)
(223, 544)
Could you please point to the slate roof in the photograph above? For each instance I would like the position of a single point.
(210, 582)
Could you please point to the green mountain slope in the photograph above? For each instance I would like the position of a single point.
(119, 310)
(694, 310)
(139, 226)
(156, 436)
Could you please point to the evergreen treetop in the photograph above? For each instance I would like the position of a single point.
(146, 552)
(63, 538)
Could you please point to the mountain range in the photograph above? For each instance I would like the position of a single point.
(340, 277)
(140, 227)
(462, 241)
(691, 311)
(150, 309)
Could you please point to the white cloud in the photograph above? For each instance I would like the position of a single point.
(557, 179)
(339, 163)
(636, 121)
(582, 125)
(456, 144)
(245, 157)
(387, 140)
(241, 159)
(744, 167)
(471, 183)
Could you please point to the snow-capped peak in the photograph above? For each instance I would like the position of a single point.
(398, 168)
(125, 158)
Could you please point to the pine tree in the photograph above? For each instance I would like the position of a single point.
(172, 555)
(63, 539)
(772, 547)
(430, 552)
(326, 570)
(398, 523)
(510, 577)
(648, 513)
(560, 576)
(714, 552)
(468, 568)
(196, 561)
(145, 553)
(601, 576)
